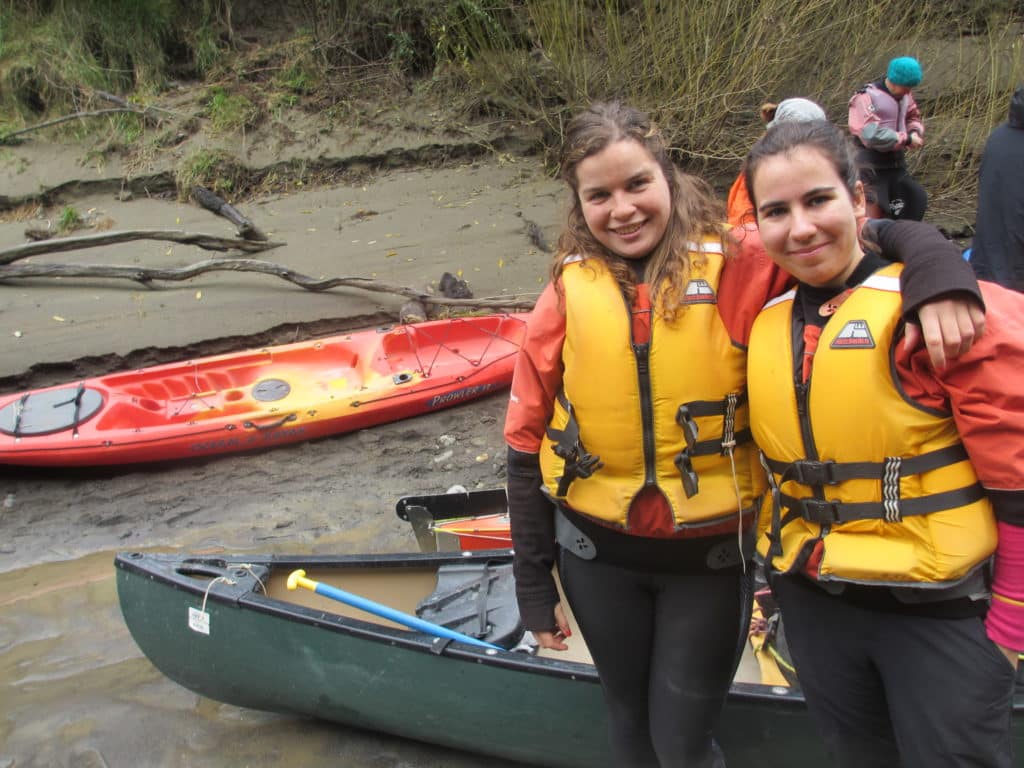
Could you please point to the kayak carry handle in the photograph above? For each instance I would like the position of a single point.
(298, 579)
(279, 423)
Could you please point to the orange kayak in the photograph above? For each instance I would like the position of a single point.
(458, 521)
(472, 533)
(261, 398)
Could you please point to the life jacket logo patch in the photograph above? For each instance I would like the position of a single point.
(855, 335)
(699, 292)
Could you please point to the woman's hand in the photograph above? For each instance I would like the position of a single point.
(555, 640)
(949, 328)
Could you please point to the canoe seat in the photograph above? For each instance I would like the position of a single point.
(477, 599)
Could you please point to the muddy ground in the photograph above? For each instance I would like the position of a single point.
(73, 687)
(453, 204)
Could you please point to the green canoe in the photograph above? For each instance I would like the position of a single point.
(229, 629)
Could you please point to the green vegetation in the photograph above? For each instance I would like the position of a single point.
(214, 169)
(69, 219)
(703, 67)
(230, 113)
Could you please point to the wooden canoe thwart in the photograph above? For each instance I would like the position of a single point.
(261, 398)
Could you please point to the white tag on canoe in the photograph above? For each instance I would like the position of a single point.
(198, 621)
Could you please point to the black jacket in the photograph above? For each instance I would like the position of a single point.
(997, 251)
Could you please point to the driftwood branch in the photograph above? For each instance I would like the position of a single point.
(146, 275)
(122, 102)
(123, 106)
(67, 118)
(212, 202)
(112, 237)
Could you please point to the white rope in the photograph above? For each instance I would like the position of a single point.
(739, 508)
(248, 567)
(206, 594)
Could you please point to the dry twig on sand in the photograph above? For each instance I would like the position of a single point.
(149, 114)
(146, 275)
(112, 237)
(58, 120)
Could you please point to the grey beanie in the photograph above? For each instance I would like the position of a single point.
(797, 110)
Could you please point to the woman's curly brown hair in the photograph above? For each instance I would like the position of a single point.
(696, 211)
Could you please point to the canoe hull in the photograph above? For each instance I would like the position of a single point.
(266, 654)
(259, 399)
(300, 661)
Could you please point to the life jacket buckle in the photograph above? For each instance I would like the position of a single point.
(820, 511)
(811, 472)
(690, 482)
(689, 426)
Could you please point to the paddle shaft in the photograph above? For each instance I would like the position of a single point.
(298, 579)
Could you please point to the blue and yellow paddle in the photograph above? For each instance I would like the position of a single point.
(298, 579)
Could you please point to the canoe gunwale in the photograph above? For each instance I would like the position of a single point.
(163, 569)
(244, 594)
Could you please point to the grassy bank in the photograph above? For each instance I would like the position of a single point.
(702, 66)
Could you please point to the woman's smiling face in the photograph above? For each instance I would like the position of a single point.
(807, 217)
(625, 198)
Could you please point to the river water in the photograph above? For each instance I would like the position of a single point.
(75, 690)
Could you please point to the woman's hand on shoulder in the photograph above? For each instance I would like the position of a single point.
(949, 327)
(555, 639)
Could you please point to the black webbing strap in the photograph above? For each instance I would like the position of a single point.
(775, 526)
(726, 408)
(78, 407)
(18, 411)
(809, 472)
(711, 447)
(567, 438)
(567, 446)
(824, 512)
(722, 446)
(713, 407)
(483, 589)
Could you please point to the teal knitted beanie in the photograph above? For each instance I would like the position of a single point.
(905, 71)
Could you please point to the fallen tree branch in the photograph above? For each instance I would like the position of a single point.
(58, 120)
(211, 201)
(146, 111)
(146, 275)
(112, 237)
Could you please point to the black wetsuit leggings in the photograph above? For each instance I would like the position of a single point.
(891, 690)
(665, 648)
(897, 194)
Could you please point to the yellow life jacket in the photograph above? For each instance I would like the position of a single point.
(882, 481)
(618, 425)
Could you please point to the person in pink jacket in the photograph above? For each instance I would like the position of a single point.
(885, 123)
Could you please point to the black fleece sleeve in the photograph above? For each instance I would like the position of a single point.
(1008, 506)
(531, 516)
(933, 265)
